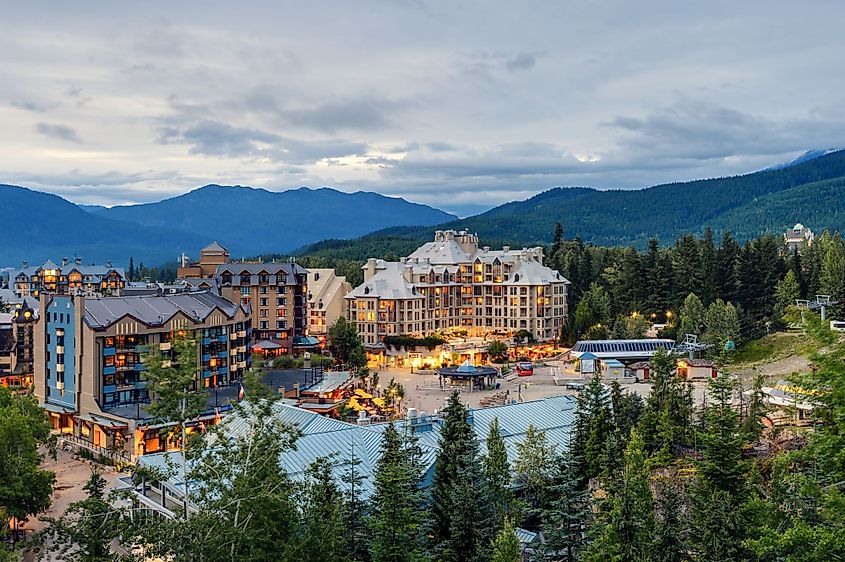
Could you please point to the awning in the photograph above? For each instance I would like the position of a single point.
(56, 409)
(267, 345)
(305, 341)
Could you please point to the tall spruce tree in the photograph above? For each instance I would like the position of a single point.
(721, 490)
(321, 528)
(395, 522)
(460, 522)
(497, 477)
(565, 517)
(506, 546)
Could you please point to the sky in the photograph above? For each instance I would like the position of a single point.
(460, 105)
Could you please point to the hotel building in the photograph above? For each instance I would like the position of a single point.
(326, 292)
(68, 279)
(276, 292)
(88, 370)
(451, 285)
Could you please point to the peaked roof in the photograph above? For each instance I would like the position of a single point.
(155, 310)
(214, 247)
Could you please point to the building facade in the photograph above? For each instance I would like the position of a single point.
(89, 375)
(452, 285)
(796, 236)
(69, 278)
(17, 345)
(276, 293)
(211, 257)
(326, 301)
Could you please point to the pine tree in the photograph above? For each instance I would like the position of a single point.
(671, 523)
(497, 477)
(85, 531)
(131, 272)
(460, 527)
(565, 517)
(320, 502)
(395, 521)
(533, 468)
(626, 532)
(593, 427)
(506, 546)
(720, 491)
(558, 239)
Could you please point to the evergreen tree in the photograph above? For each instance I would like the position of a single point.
(395, 521)
(593, 427)
(506, 546)
(460, 528)
(687, 265)
(565, 517)
(558, 239)
(787, 292)
(692, 317)
(320, 504)
(627, 530)
(671, 523)
(533, 468)
(497, 476)
(131, 272)
(85, 531)
(721, 491)
(753, 426)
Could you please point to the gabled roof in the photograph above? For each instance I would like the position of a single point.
(387, 283)
(155, 310)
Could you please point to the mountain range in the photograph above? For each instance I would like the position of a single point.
(248, 221)
(810, 190)
(251, 221)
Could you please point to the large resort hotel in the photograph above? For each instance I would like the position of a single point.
(451, 285)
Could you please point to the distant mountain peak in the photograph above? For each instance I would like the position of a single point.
(806, 157)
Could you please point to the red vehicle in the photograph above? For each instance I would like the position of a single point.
(525, 368)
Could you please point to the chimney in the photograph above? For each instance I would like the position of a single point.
(108, 263)
(486, 249)
(370, 269)
(408, 273)
(25, 264)
(506, 249)
(64, 262)
(78, 261)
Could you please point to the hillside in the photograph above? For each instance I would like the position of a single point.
(36, 226)
(810, 192)
(252, 221)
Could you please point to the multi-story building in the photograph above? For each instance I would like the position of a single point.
(451, 284)
(796, 236)
(277, 294)
(16, 345)
(211, 257)
(326, 292)
(68, 279)
(88, 370)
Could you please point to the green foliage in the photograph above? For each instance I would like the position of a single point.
(533, 468)
(85, 531)
(322, 534)
(497, 350)
(460, 528)
(666, 420)
(692, 317)
(506, 546)
(567, 512)
(25, 488)
(244, 507)
(396, 517)
(593, 428)
(171, 376)
(497, 477)
(410, 342)
(628, 527)
(630, 327)
(346, 346)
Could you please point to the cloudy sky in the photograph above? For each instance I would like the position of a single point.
(461, 105)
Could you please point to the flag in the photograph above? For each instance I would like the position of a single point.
(241, 392)
(216, 416)
(202, 426)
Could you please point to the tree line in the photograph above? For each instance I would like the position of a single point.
(619, 291)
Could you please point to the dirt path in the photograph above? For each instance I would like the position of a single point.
(776, 369)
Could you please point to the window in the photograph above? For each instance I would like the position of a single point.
(263, 313)
(245, 291)
(262, 301)
(281, 301)
(262, 290)
(263, 324)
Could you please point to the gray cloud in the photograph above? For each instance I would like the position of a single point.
(60, 132)
(521, 61)
(442, 104)
(213, 138)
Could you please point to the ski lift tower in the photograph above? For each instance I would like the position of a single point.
(691, 346)
(821, 303)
